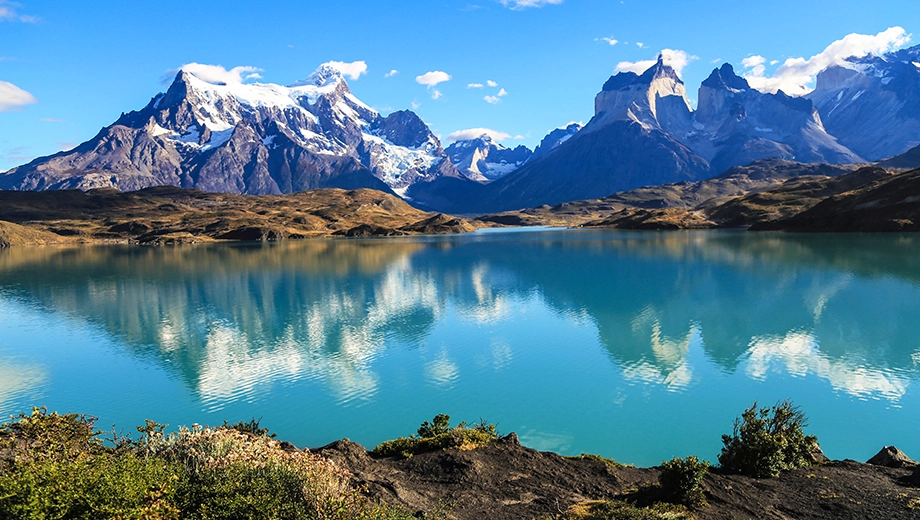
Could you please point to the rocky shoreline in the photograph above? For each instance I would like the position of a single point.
(505, 480)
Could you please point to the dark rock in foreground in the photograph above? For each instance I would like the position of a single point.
(505, 480)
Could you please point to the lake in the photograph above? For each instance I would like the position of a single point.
(639, 346)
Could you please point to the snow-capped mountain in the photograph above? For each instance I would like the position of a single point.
(483, 160)
(872, 104)
(554, 139)
(248, 138)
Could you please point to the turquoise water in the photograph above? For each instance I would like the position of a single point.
(637, 346)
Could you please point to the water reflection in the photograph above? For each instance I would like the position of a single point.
(231, 321)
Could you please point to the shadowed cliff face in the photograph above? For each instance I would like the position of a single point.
(227, 319)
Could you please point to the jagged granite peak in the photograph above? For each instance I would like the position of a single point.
(483, 160)
(555, 138)
(872, 104)
(655, 99)
(252, 138)
(736, 125)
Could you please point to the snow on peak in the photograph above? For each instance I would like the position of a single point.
(325, 75)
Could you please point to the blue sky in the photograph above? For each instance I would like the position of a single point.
(69, 68)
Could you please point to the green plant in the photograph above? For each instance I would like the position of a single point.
(438, 435)
(56, 466)
(767, 441)
(682, 480)
(253, 426)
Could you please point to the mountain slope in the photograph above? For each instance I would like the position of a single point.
(735, 125)
(247, 138)
(872, 104)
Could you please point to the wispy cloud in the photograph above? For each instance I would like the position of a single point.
(518, 5)
(676, 59)
(641, 45)
(51, 120)
(391, 73)
(491, 83)
(436, 94)
(475, 85)
(13, 97)
(473, 133)
(609, 39)
(215, 74)
(797, 75)
(493, 100)
(415, 105)
(9, 12)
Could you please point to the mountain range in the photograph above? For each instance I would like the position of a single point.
(271, 139)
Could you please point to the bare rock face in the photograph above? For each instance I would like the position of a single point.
(891, 457)
(247, 139)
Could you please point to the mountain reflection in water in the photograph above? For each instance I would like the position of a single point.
(231, 322)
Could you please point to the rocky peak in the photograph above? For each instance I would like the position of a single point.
(405, 128)
(656, 99)
(725, 78)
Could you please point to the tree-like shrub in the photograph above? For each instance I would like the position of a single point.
(682, 480)
(438, 435)
(767, 441)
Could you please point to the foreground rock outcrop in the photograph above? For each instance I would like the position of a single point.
(505, 480)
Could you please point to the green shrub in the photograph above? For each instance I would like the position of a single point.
(438, 435)
(56, 466)
(682, 480)
(253, 426)
(768, 441)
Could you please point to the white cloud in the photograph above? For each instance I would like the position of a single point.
(416, 105)
(491, 83)
(774, 62)
(641, 45)
(473, 133)
(493, 100)
(352, 70)
(502, 93)
(9, 12)
(796, 75)
(609, 39)
(13, 97)
(432, 78)
(215, 73)
(518, 5)
(475, 85)
(436, 94)
(676, 59)
(755, 63)
(391, 73)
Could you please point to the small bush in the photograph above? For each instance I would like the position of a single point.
(56, 466)
(682, 481)
(768, 441)
(252, 426)
(438, 435)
